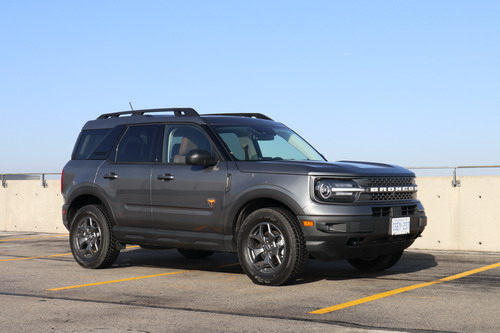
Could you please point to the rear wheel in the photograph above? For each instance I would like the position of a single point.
(271, 247)
(375, 264)
(91, 240)
(195, 254)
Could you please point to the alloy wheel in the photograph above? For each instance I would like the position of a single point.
(88, 237)
(266, 247)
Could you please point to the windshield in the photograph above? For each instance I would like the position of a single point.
(265, 143)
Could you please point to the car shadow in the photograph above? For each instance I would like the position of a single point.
(410, 262)
(316, 270)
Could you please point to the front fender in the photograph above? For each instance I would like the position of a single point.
(276, 193)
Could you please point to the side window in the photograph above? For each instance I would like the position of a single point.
(138, 144)
(180, 140)
(87, 142)
(102, 150)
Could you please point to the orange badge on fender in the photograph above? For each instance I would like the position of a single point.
(211, 202)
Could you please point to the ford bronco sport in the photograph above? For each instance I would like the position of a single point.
(171, 178)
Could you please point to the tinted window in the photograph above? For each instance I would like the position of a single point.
(103, 148)
(87, 142)
(138, 144)
(180, 140)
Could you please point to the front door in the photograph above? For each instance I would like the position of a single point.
(187, 198)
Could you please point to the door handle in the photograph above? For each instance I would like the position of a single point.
(165, 177)
(111, 175)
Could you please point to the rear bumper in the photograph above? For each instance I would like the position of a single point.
(347, 237)
(65, 216)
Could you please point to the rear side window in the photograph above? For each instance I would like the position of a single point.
(102, 150)
(138, 145)
(87, 142)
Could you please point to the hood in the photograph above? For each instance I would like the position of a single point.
(317, 168)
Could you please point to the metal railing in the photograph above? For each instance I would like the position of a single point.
(43, 176)
(455, 182)
(27, 176)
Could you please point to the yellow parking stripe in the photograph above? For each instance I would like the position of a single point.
(115, 281)
(134, 278)
(402, 290)
(53, 255)
(39, 257)
(36, 237)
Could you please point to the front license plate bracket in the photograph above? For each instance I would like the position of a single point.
(400, 226)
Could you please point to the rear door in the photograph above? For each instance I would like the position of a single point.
(125, 178)
(185, 197)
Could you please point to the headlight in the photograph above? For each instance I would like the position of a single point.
(337, 190)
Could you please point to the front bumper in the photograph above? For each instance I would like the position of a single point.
(348, 237)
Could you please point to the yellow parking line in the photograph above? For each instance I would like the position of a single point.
(133, 278)
(53, 255)
(115, 281)
(37, 237)
(39, 257)
(402, 290)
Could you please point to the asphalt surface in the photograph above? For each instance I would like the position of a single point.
(43, 289)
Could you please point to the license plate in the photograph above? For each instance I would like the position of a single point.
(400, 226)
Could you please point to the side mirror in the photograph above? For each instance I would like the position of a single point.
(200, 157)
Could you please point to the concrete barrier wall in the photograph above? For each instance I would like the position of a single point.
(25, 205)
(460, 218)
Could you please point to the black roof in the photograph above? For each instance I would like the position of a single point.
(110, 120)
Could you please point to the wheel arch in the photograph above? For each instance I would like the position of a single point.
(257, 199)
(86, 195)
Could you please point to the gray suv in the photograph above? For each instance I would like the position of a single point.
(171, 178)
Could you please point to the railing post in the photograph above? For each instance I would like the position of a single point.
(455, 182)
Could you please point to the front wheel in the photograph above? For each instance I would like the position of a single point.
(375, 264)
(91, 240)
(271, 247)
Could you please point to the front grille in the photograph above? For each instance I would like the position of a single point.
(381, 211)
(399, 196)
(387, 182)
(391, 181)
(394, 211)
(408, 210)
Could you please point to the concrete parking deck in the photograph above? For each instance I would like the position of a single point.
(160, 291)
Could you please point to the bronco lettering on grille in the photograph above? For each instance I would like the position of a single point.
(392, 189)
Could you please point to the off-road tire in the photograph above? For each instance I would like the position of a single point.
(271, 247)
(376, 264)
(91, 239)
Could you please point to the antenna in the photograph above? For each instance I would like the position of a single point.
(131, 107)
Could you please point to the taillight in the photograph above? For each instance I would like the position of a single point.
(62, 180)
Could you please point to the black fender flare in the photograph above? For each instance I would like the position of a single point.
(262, 192)
(91, 190)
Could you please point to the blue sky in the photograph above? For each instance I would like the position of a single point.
(406, 82)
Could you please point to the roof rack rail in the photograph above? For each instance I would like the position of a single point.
(249, 115)
(178, 112)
